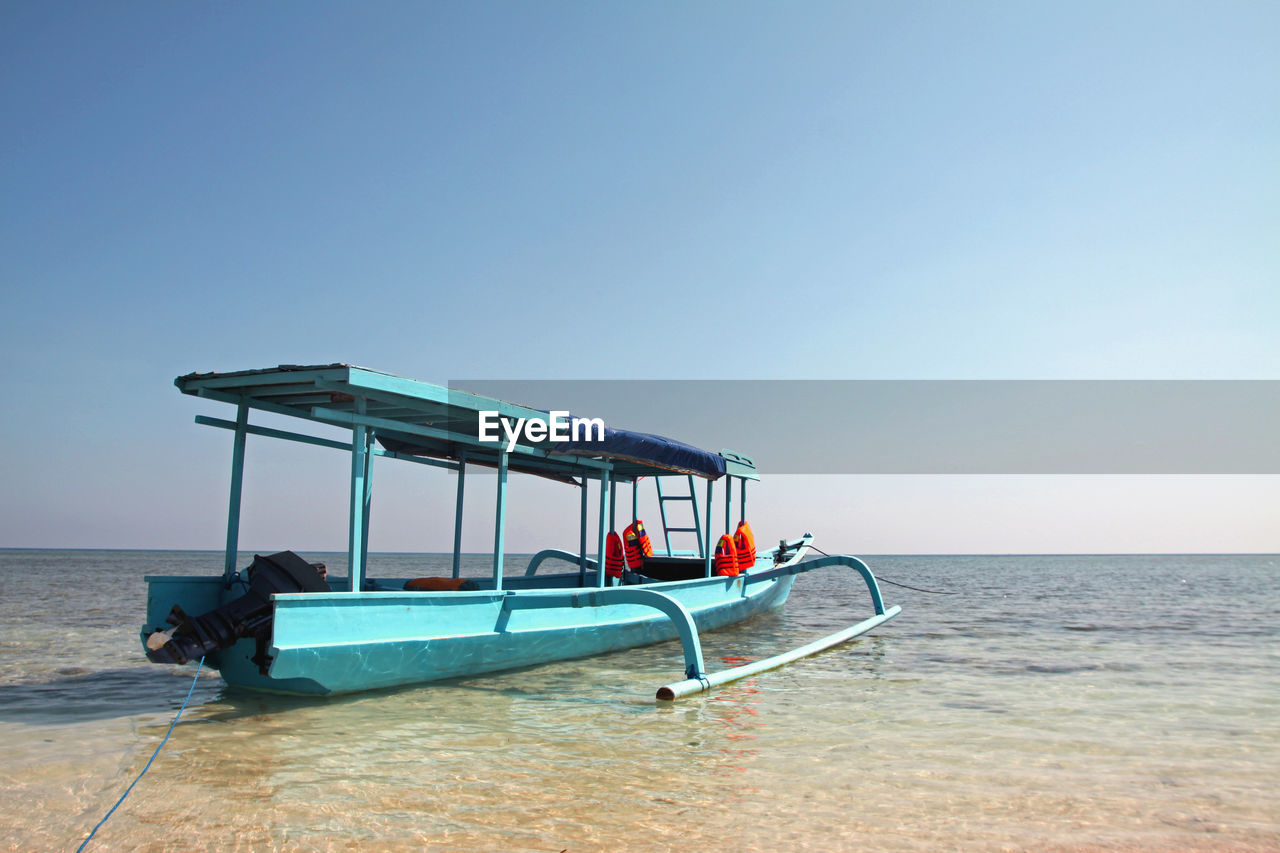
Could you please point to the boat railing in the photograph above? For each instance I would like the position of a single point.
(587, 563)
(792, 552)
(679, 615)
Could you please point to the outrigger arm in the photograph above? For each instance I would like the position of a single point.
(705, 681)
(697, 679)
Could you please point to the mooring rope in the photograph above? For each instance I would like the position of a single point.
(895, 583)
(153, 757)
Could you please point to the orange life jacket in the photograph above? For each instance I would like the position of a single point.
(726, 557)
(613, 564)
(745, 541)
(638, 546)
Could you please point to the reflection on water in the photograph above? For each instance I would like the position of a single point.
(1021, 714)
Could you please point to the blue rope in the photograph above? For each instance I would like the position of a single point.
(153, 757)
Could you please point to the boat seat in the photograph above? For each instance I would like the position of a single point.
(673, 568)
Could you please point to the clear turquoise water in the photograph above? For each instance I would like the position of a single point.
(1057, 703)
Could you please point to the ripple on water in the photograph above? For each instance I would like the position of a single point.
(1022, 718)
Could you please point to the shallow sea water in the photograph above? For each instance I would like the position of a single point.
(1056, 703)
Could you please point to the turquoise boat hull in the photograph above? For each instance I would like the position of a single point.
(340, 642)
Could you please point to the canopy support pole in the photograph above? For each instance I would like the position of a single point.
(603, 532)
(457, 515)
(237, 485)
(635, 499)
(582, 536)
(728, 504)
(355, 524)
(742, 501)
(613, 504)
(368, 501)
(709, 552)
(500, 522)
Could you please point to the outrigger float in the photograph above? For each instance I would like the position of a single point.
(281, 626)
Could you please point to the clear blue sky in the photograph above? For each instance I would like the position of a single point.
(596, 190)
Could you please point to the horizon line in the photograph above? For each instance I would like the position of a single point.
(527, 553)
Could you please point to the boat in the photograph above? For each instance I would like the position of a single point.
(282, 625)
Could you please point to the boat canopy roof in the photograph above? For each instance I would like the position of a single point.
(421, 419)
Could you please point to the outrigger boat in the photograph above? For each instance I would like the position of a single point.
(281, 626)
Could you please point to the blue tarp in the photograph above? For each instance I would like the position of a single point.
(648, 449)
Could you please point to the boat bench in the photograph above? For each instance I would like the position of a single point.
(673, 568)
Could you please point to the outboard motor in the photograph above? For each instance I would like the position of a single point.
(249, 615)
